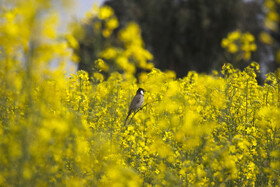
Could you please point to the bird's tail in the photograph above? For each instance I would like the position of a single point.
(129, 112)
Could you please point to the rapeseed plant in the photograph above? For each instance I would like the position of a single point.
(239, 46)
(201, 130)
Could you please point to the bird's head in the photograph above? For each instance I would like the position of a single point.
(140, 91)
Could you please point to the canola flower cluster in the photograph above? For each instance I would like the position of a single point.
(121, 48)
(58, 130)
(240, 44)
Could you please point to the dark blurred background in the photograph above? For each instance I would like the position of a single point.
(186, 35)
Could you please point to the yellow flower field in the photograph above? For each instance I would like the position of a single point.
(68, 130)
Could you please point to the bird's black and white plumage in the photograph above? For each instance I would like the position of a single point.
(136, 102)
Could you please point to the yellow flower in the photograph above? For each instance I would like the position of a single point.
(112, 23)
(101, 65)
(106, 33)
(234, 35)
(105, 12)
(72, 41)
(273, 16)
(225, 42)
(232, 48)
(266, 38)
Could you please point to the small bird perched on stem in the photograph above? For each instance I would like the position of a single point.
(136, 102)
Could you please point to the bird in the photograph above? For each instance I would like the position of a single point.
(136, 102)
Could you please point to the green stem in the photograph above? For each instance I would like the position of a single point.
(247, 92)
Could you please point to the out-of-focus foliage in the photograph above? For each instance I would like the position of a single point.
(123, 51)
(182, 35)
(185, 35)
(271, 34)
(58, 130)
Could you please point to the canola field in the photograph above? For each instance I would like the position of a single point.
(221, 129)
